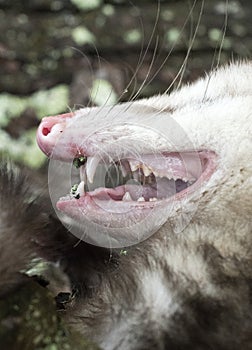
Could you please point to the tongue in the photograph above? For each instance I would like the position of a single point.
(108, 193)
(163, 188)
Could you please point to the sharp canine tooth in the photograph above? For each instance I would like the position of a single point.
(91, 166)
(133, 165)
(127, 197)
(83, 175)
(141, 199)
(80, 189)
(146, 170)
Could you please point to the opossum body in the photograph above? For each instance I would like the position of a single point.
(184, 289)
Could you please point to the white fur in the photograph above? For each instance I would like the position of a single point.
(161, 302)
(215, 113)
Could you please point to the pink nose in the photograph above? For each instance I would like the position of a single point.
(50, 130)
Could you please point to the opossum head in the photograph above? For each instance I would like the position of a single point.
(173, 162)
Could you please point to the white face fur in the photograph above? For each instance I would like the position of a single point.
(215, 115)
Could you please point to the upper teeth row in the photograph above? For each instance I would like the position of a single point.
(87, 171)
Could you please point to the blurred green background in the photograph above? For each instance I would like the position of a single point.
(60, 55)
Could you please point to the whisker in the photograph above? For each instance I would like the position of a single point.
(223, 35)
(148, 72)
(89, 104)
(220, 44)
(190, 46)
(140, 63)
(187, 57)
(173, 46)
(140, 59)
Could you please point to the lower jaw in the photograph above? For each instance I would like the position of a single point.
(117, 213)
(105, 212)
(112, 224)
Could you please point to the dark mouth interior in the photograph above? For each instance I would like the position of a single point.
(122, 181)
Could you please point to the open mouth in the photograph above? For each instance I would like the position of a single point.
(116, 179)
(127, 184)
(137, 183)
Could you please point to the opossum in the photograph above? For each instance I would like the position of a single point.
(162, 215)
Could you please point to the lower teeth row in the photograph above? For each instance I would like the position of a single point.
(78, 190)
(127, 198)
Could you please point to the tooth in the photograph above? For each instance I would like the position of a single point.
(80, 189)
(127, 197)
(91, 166)
(83, 175)
(146, 170)
(133, 165)
(154, 199)
(191, 182)
(141, 199)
